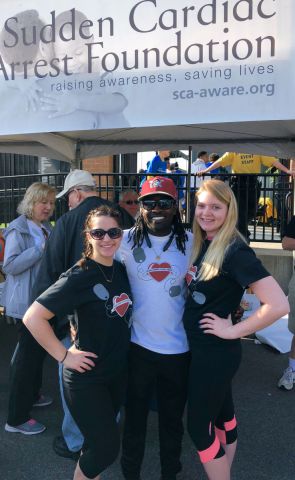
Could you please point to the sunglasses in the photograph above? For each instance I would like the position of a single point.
(66, 196)
(99, 233)
(131, 202)
(163, 204)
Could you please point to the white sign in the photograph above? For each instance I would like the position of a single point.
(79, 65)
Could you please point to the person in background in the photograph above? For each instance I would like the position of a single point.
(213, 157)
(155, 253)
(197, 166)
(23, 96)
(246, 186)
(179, 182)
(223, 265)
(159, 163)
(49, 105)
(128, 199)
(97, 290)
(286, 382)
(99, 107)
(25, 240)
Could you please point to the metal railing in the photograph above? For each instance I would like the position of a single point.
(272, 210)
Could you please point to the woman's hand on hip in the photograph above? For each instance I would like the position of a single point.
(215, 325)
(79, 360)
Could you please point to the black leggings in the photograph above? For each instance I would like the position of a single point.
(94, 407)
(211, 416)
(25, 376)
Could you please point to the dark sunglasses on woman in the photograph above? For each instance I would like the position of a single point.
(99, 233)
(163, 204)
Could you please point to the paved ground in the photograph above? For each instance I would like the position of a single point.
(266, 426)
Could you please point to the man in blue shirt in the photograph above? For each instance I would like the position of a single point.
(159, 163)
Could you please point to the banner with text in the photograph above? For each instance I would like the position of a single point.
(76, 65)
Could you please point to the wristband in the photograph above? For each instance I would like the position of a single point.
(62, 361)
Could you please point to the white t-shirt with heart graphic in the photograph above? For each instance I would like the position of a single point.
(157, 281)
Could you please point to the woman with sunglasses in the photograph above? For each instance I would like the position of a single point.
(96, 290)
(223, 265)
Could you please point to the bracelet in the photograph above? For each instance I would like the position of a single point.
(62, 361)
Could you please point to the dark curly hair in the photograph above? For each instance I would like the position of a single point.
(139, 233)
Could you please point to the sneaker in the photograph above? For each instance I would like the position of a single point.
(31, 427)
(287, 380)
(60, 447)
(43, 401)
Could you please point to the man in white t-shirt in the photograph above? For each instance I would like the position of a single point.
(197, 166)
(156, 254)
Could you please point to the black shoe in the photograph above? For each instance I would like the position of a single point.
(60, 447)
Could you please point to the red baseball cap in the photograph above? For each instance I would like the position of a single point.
(158, 185)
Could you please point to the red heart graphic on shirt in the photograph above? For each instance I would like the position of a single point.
(159, 271)
(121, 304)
(191, 274)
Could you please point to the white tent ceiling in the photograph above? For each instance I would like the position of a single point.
(275, 138)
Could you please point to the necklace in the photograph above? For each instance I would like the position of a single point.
(165, 248)
(109, 280)
(158, 255)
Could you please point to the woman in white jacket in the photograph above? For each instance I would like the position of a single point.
(25, 240)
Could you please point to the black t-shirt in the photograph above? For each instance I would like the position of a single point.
(222, 294)
(102, 314)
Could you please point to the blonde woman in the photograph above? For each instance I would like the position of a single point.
(223, 265)
(24, 244)
(25, 239)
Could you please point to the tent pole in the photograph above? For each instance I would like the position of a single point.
(188, 184)
(77, 163)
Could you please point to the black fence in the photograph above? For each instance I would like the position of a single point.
(273, 196)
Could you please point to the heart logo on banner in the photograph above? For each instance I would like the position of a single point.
(191, 274)
(159, 271)
(121, 304)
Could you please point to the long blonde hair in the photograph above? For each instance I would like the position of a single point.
(214, 257)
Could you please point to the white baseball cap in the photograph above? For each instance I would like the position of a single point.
(77, 178)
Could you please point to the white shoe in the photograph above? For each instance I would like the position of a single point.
(31, 427)
(287, 380)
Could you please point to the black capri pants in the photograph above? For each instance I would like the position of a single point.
(94, 406)
(211, 416)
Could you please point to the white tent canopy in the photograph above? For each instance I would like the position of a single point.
(274, 138)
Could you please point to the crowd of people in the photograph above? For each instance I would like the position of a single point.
(135, 308)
